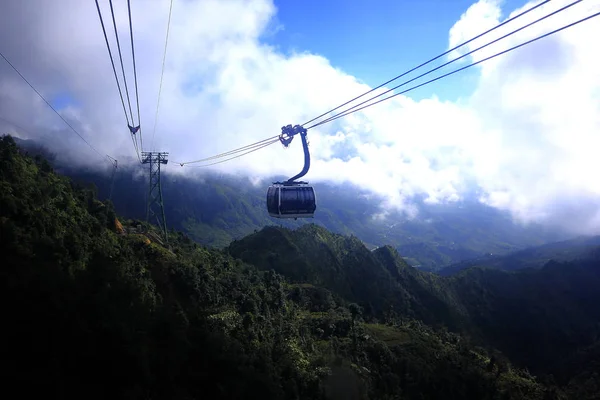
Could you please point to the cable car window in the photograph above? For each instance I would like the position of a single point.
(289, 199)
(298, 200)
(309, 198)
(303, 198)
(272, 199)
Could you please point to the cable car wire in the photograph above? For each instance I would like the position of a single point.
(50, 105)
(465, 67)
(137, 97)
(229, 153)
(252, 147)
(133, 137)
(237, 156)
(431, 60)
(238, 150)
(346, 112)
(162, 73)
(112, 61)
(112, 12)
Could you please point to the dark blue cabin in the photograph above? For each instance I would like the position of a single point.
(285, 200)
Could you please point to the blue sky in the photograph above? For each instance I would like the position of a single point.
(62, 100)
(376, 40)
(373, 40)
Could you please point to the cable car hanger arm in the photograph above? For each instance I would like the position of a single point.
(287, 134)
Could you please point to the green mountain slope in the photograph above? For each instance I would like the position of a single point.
(536, 317)
(97, 311)
(344, 265)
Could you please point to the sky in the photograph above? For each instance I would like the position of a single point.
(522, 129)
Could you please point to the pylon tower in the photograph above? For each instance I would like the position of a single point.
(154, 205)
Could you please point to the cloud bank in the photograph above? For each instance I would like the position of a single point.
(526, 138)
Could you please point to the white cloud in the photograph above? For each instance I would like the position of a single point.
(479, 17)
(527, 136)
(543, 101)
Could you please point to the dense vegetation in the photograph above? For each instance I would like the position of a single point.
(216, 209)
(97, 311)
(536, 317)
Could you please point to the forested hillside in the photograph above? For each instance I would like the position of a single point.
(100, 310)
(536, 317)
(216, 209)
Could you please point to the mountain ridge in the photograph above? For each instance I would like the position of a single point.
(532, 257)
(215, 209)
(480, 302)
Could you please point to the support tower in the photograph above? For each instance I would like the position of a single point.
(155, 208)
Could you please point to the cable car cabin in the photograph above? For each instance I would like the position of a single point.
(291, 201)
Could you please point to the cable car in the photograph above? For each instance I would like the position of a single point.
(292, 199)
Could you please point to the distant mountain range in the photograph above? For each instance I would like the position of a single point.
(216, 209)
(533, 257)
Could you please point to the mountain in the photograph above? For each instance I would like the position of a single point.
(533, 257)
(98, 307)
(535, 317)
(215, 209)
(377, 280)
